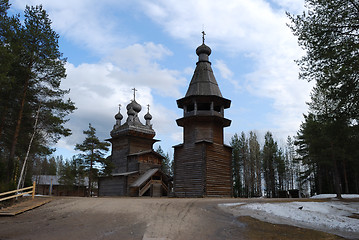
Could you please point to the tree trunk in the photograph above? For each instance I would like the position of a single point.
(336, 175)
(356, 182)
(320, 180)
(2, 123)
(17, 132)
(346, 185)
(90, 174)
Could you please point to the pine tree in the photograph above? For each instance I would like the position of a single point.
(256, 166)
(166, 165)
(236, 166)
(31, 70)
(329, 33)
(93, 153)
(269, 155)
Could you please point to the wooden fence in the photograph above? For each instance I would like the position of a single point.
(32, 192)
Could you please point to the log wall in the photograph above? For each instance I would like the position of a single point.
(112, 186)
(204, 130)
(218, 171)
(189, 170)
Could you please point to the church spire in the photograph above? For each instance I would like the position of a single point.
(203, 81)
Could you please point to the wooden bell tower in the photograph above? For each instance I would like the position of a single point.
(202, 164)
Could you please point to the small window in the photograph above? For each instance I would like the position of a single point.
(156, 178)
(217, 108)
(204, 106)
(190, 108)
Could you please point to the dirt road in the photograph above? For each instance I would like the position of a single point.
(142, 218)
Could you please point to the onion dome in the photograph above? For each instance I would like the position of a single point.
(148, 116)
(118, 116)
(135, 106)
(131, 112)
(203, 49)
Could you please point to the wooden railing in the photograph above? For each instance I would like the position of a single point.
(145, 188)
(32, 192)
(148, 185)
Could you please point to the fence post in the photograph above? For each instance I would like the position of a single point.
(33, 189)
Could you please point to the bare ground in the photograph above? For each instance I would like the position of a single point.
(143, 218)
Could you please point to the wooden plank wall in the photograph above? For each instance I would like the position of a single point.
(119, 154)
(218, 171)
(189, 170)
(137, 144)
(112, 186)
(203, 130)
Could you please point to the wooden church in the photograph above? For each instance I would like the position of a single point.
(202, 164)
(137, 167)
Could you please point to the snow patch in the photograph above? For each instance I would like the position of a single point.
(346, 196)
(331, 216)
(229, 204)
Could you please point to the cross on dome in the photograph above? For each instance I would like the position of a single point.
(203, 33)
(134, 94)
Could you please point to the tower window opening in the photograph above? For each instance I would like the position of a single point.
(190, 108)
(204, 106)
(217, 108)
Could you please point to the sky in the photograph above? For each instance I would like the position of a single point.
(113, 46)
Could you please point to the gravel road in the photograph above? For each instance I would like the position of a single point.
(142, 218)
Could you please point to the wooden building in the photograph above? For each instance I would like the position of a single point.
(202, 164)
(136, 165)
(51, 185)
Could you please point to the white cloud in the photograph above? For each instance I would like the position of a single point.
(223, 69)
(226, 73)
(254, 29)
(293, 6)
(137, 65)
(83, 22)
(97, 89)
(236, 25)
(250, 28)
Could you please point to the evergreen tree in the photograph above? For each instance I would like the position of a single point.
(326, 143)
(31, 70)
(244, 155)
(93, 153)
(236, 166)
(246, 165)
(72, 172)
(281, 169)
(166, 165)
(269, 155)
(256, 165)
(329, 32)
(293, 166)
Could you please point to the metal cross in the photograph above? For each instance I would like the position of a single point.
(134, 93)
(203, 33)
(148, 107)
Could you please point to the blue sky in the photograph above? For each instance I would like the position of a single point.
(114, 45)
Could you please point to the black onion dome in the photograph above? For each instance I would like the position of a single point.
(131, 112)
(203, 49)
(148, 116)
(118, 116)
(135, 106)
